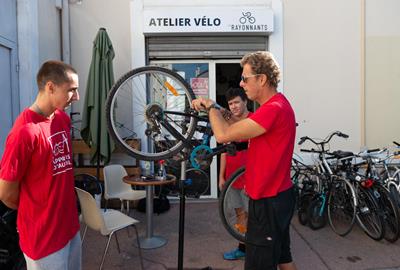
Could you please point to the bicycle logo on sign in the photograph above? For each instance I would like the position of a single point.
(247, 17)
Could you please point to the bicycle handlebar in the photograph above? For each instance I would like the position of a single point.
(337, 133)
(315, 151)
(396, 143)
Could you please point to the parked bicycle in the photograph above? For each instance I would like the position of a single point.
(336, 197)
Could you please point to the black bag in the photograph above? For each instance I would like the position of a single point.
(11, 256)
(160, 204)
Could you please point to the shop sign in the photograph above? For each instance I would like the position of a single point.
(199, 86)
(216, 19)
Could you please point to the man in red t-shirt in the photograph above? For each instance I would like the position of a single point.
(237, 102)
(36, 174)
(271, 134)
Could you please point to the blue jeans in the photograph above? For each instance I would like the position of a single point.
(67, 258)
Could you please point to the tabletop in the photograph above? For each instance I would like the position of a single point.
(139, 181)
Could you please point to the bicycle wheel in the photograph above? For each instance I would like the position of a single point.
(233, 206)
(342, 205)
(393, 185)
(316, 213)
(390, 213)
(197, 183)
(368, 216)
(302, 205)
(395, 193)
(152, 104)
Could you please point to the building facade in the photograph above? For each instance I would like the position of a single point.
(340, 66)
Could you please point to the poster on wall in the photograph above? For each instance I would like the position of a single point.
(199, 86)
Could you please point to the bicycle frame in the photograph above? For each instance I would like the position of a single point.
(195, 148)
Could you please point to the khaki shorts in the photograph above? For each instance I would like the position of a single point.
(69, 257)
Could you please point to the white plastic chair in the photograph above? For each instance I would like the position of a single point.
(105, 222)
(116, 188)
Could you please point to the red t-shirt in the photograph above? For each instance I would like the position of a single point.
(235, 162)
(38, 155)
(269, 155)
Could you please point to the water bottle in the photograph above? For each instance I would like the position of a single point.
(146, 168)
(161, 174)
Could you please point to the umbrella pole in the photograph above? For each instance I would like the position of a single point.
(98, 142)
(98, 165)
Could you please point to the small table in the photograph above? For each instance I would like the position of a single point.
(149, 241)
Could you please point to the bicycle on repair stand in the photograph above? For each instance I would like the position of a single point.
(156, 103)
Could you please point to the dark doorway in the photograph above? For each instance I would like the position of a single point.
(227, 76)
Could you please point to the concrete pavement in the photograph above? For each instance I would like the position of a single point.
(206, 240)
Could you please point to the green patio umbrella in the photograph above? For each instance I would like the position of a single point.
(100, 80)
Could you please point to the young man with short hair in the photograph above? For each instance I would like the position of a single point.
(36, 174)
(237, 102)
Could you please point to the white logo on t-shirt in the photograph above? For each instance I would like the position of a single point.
(61, 152)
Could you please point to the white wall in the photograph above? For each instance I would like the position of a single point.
(322, 56)
(39, 39)
(382, 72)
(85, 21)
(49, 22)
(28, 50)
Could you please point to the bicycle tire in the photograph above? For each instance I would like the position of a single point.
(316, 221)
(390, 213)
(227, 211)
(142, 99)
(342, 205)
(368, 215)
(198, 183)
(393, 186)
(302, 206)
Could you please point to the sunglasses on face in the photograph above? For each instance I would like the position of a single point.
(244, 78)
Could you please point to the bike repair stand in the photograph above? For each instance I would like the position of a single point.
(182, 198)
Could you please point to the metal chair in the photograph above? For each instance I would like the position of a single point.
(115, 188)
(106, 222)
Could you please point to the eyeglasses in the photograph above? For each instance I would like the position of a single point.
(244, 78)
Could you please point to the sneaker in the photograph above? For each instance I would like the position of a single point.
(235, 254)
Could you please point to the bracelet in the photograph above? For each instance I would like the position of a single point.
(214, 106)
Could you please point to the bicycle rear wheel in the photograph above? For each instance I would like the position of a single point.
(316, 213)
(368, 215)
(390, 213)
(303, 204)
(233, 207)
(197, 183)
(342, 205)
(151, 104)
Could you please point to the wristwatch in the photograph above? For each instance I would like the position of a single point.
(214, 106)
